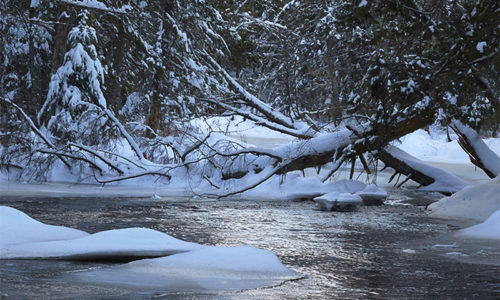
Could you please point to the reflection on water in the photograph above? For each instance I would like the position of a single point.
(376, 253)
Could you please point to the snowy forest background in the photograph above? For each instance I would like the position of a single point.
(108, 90)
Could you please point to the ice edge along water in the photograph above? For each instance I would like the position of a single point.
(190, 266)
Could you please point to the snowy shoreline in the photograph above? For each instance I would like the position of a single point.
(431, 148)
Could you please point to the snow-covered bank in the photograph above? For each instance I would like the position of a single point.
(24, 237)
(433, 147)
(476, 202)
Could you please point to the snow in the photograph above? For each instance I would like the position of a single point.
(110, 244)
(489, 229)
(16, 228)
(24, 237)
(373, 195)
(189, 266)
(338, 201)
(211, 268)
(474, 202)
(243, 129)
(444, 181)
(434, 147)
(485, 154)
(296, 187)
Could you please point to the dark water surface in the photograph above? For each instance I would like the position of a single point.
(386, 252)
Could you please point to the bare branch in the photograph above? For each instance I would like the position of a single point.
(152, 173)
(35, 129)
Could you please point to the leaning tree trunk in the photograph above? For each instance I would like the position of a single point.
(479, 153)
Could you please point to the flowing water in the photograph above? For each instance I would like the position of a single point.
(392, 251)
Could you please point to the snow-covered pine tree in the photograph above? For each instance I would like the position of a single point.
(73, 110)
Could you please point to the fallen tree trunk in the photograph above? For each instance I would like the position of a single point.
(479, 153)
(432, 178)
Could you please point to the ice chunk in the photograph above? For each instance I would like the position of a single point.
(409, 251)
(211, 268)
(338, 201)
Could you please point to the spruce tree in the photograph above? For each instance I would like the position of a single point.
(73, 110)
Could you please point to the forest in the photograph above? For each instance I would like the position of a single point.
(250, 149)
(109, 89)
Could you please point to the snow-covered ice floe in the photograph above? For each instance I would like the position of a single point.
(489, 229)
(373, 195)
(347, 195)
(17, 228)
(120, 244)
(24, 237)
(476, 202)
(189, 266)
(211, 268)
(338, 201)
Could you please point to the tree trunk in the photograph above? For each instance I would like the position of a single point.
(479, 153)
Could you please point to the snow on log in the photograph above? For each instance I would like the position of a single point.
(432, 178)
(479, 153)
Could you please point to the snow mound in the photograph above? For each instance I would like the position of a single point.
(338, 201)
(296, 187)
(489, 229)
(474, 202)
(16, 227)
(349, 186)
(373, 195)
(434, 147)
(120, 244)
(211, 268)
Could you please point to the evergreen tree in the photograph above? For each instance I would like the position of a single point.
(75, 102)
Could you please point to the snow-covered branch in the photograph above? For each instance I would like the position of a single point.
(479, 153)
(252, 101)
(35, 129)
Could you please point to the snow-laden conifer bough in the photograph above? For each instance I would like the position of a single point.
(228, 166)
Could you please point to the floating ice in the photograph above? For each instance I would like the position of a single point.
(489, 229)
(211, 268)
(373, 195)
(16, 227)
(476, 202)
(120, 244)
(338, 201)
(190, 266)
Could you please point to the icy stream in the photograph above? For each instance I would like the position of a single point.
(391, 251)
